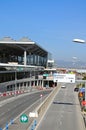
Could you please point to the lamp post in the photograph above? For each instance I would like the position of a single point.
(15, 80)
(82, 42)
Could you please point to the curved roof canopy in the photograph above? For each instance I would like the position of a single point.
(10, 45)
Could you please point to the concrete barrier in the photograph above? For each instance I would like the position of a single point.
(41, 109)
(43, 106)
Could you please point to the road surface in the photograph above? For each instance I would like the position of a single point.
(10, 110)
(64, 112)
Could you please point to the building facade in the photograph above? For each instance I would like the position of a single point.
(21, 59)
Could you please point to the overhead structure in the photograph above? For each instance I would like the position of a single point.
(22, 52)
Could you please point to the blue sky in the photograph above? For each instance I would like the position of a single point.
(53, 24)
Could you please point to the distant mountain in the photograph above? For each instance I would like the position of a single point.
(71, 64)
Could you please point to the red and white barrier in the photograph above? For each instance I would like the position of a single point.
(11, 93)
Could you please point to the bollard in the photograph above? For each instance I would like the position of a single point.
(12, 121)
(35, 123)
(32, 128)
(7, 126)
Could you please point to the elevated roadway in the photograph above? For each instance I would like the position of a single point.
(64, 112)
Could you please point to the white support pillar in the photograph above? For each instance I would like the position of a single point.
(19, 86)
(25, 59)
(42, 83)
(37, 82)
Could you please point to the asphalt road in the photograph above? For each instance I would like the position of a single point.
(11, 109)
(64, 112)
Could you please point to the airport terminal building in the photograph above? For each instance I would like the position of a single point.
(21, 59)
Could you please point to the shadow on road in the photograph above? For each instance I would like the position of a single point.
(65, 103)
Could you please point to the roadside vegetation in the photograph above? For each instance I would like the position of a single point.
(81, 95)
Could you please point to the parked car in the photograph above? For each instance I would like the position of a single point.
(63, 86)
(76, 89)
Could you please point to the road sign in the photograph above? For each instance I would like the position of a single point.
(23, 118)
(19, 68)
(46, 75)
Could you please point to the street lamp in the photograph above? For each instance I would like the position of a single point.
(79, 41)
(15, 81)
(82, 42)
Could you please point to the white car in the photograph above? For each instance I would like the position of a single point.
(63, 86)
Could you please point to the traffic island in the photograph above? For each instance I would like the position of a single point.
(42, 108)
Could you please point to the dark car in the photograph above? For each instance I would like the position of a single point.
(76, 89)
